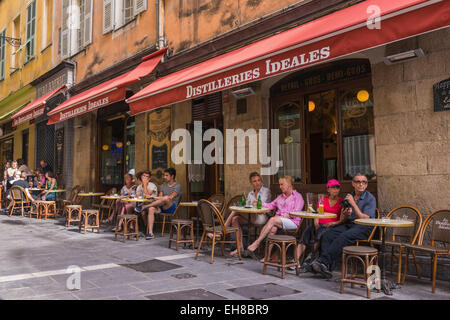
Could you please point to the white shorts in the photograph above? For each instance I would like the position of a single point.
(260, 219)
(288, 224)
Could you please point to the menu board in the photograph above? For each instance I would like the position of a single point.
(441, 95)
(59, 151)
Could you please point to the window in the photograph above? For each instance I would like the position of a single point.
(76, 30)
(47, 14)
(288, 122)
(2, 54)
(31, 31)
(117, 13)
(25, 141)
(15, 50)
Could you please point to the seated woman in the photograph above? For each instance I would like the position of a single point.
(51, 184)
(290, 200)
(236, 219)
(129, 207)
(332, 204)
(127, 190)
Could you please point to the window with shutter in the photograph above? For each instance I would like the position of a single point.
(108, 16)
(80, 31)
(87, 37)
(128, 9)
(2, 54)
(140, 6)
(31, 31)
(65, 31)
(207, 107)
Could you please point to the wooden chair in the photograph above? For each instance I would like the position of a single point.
(169, 215)
(181, 226)
(213, 223)
(20, 199)
(106, 205)
(85, 222)
(47, 209)
(71, 198)
(35, 207)
(397, 237)
(234, 201)
(282, 242)
(126, 229)
(367, 256)
(72, 209)
(436, 228)
(218, 200)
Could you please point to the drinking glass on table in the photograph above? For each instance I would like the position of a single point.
(321, 200)
(309, 202)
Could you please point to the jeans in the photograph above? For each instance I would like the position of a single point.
(338, 237)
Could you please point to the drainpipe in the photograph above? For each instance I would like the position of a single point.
(160, 39)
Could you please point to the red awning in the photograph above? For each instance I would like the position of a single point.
(106, 93)
(338, 34)
(34, 109)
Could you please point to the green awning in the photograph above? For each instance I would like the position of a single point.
(3, 116)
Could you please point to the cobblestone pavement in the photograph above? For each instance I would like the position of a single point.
(35, 255)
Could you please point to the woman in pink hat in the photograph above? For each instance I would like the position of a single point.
(332, 204)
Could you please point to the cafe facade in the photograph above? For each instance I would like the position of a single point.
(352, 100)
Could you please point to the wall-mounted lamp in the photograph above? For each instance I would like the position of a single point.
(404, 56)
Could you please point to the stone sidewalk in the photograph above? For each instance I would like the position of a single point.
(35, 255)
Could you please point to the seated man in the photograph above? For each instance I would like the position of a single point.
(290, 200)
(236, 219)
(363, 206)
(166, 202)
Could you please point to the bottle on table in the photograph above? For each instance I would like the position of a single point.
(242, 200)
(259, 203)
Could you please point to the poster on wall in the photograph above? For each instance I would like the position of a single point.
(441, 95)
(159, 149)
(59, 149)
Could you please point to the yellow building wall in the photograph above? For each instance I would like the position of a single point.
(188, 23)
(31, 143)
(42, 61)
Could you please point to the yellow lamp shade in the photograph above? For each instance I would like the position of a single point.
(362, 95)
(311, 106)
(105, 147)
(119, 144)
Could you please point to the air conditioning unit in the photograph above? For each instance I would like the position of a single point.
(242, 93)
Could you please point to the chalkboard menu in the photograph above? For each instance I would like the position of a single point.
(441, 95)
(59, 151)
(159, 156)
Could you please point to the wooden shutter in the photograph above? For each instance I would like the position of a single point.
(87, 22)
(139, 6)
(207, 107)
(108, 16)
(65, 32)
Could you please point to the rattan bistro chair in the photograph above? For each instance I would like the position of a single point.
(218, 200)
(106, 206)
(20, 199)
(396, 238)
(169, 216)
(71, 198)
(213, 223)
(436, 228)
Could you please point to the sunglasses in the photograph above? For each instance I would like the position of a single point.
(360, 182)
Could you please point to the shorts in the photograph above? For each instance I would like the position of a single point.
(50, 196)
(288, 224)
(169, 210)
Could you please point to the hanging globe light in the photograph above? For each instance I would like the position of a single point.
(105, 147)
(311, 106)
(362, 95)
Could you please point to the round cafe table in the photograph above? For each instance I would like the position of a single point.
(249, 210)
(90, 195)
(386, 285)
(312, 216)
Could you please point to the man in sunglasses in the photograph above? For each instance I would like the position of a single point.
(362, 205)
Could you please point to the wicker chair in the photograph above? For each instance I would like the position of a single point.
(218, 200)
(72, 197)
(437, 227)
(169, 215)
(19, 199)
(398, 237)
(106, 205)
(213, 223)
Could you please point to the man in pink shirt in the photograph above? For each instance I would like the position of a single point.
(290, 200)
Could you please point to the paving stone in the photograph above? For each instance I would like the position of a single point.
(195, 294)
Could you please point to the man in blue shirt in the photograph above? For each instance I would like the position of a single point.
(363, 206)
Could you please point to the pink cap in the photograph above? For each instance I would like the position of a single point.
(332, 183)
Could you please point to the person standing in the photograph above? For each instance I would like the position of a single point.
(45, 167)
(362, 206)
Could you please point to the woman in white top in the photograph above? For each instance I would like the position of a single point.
(237, 219)
(11, 173)
(5, 173)
(127, 190)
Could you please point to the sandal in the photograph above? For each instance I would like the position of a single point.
(250, 254)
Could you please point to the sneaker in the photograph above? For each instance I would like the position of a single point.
(138, 209)
(321, 268)
(149, 236)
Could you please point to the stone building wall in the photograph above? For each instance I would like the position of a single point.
(413, 141)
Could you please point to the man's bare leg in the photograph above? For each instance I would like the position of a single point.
(273, 222)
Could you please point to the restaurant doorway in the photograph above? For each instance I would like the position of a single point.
(6, 151)
(116, 155)
(205, 180)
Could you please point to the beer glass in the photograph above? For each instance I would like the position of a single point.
(321, 201)
(309, 202)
